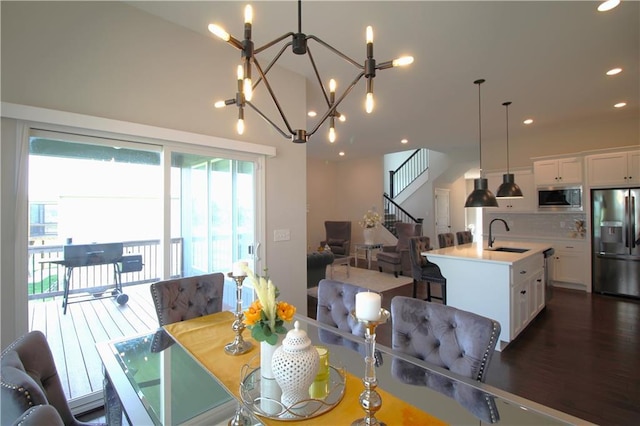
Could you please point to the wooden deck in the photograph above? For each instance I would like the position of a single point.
(73, 336)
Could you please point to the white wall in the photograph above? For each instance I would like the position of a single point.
(111, 60)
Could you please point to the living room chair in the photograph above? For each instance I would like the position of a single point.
(446, 240)
(464, 237)
(336, 301)
(424, 271)
(396, 259)
(338, 237)
(447, 337)
(32, 393)
(185, 298)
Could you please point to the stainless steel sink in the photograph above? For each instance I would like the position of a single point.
(510, 249)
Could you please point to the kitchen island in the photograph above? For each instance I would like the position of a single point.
(505, 282)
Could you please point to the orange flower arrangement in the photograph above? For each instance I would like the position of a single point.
(265, 317)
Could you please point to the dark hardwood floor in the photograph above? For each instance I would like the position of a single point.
(581, 356)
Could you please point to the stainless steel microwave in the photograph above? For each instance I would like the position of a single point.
(560, 198)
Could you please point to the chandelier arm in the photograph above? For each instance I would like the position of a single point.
(268, 120)
(336, 51)
(271, 43)
(317, 73)
(271, 64)
(335, 105)
(273, 95)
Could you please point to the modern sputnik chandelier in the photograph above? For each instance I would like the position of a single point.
(300, 46)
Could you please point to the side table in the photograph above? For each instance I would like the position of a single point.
(340, 260)
(368, 250)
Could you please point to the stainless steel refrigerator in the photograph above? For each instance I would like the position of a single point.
(615, 227)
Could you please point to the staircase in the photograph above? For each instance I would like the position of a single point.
(399, 179)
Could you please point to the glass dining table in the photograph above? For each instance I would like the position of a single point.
(154, 379)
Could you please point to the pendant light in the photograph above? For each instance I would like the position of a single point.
(509, 188)
(481, 196)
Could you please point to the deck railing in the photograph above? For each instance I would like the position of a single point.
(46, 278)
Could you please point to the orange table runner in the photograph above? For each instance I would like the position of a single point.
(205, 337)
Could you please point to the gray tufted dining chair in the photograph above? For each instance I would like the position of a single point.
(424, 271)
(446, 240)
(450, 338)
(31, 389)
(336, 301)
(185, 298)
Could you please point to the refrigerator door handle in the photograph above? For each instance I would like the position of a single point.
(627, 219)
(635, 240)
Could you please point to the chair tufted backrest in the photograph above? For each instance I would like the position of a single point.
(464, 237)
(338, 236)
(185, 298)
(30, 379)
(417, 245)
(446, 240)
(460, 341)
(336, 301)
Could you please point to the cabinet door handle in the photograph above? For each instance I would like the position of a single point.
(523, 272)
(523, 292)
(539, 280)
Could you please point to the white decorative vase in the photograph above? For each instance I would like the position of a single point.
(266, 355)
(295, 365)
(369, 235)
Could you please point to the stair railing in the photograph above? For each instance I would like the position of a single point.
(407, 172)
(394, 213)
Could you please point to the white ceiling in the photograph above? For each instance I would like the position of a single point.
(548, 58)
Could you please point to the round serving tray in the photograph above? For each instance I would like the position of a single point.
(262, 396)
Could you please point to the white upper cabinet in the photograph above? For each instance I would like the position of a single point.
(616, 168)
(561, 171)
(524, 179)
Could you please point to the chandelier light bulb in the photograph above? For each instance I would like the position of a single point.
(402, 61)
(218, 31)
(369, 32)
(240, 72)
(220, 104)
(332, 134)
(240, 126)
(248, 14)
(368, 104)
(332, 85)
(247, 89)
(342, 118)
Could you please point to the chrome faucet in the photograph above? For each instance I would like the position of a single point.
(491, 239)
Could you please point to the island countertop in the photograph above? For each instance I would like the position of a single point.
(482, 253)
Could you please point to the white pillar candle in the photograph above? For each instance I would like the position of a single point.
(368, 306)
(238, 269)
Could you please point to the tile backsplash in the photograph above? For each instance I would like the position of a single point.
(560, 225)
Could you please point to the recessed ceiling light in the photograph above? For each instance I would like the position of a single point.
(608, 5)
(528, 121)
(341, 153)
(620, 104)
(312, 114)
(614, 71)
(404, 141)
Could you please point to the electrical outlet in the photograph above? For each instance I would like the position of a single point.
(281, 235)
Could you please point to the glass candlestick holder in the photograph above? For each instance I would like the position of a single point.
(370, 399)
(239, 345)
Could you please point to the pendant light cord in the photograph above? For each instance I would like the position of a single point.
(479, 82)
(299, 16)
(506, 105)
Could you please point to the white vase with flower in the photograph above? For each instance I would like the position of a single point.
(369, 223)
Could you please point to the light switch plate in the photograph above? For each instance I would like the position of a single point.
(281, 235)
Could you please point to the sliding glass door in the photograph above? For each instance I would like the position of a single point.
(188, 206)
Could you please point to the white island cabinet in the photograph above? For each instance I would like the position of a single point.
(505, 286)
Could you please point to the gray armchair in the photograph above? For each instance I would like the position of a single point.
(185, 298)
(396, 259)
(32, 393)
(338, 237)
